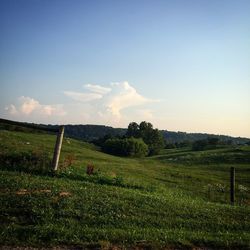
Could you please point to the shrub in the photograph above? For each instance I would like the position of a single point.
(68, 161)
(90, 169)
(32, 161)
(126, 147)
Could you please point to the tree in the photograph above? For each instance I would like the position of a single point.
(154, 140)
(133, 130)
(152, 137)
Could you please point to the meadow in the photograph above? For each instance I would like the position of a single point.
(177, 199)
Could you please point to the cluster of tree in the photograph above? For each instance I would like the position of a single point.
(140, 140)
(152, 137)
(126, 147)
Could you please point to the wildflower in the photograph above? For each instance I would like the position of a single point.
(242, 188)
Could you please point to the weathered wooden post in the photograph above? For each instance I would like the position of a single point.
(232, 185)
(58, 146)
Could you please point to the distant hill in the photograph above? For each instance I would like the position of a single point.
(93, 132)
(178, 137)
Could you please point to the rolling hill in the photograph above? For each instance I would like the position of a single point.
(178, 199)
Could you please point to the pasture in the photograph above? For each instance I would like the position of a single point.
(178, 199)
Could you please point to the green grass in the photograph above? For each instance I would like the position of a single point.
(179, 198)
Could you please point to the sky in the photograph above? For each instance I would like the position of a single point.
(181, 65)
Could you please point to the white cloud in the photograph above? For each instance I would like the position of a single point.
(96, 92)
(110, 101)
(11, 109)
(123, 96)
(28, 106)
(97, 89)
(115, 104)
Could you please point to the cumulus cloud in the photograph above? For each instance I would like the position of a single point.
(123, 96)
(111, 100)
(114, 104)
(27, 106)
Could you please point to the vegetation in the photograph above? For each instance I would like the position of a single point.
(180, 137)
(152, 137)
(177, 199)
(139, 140)
(31, 160)
(209, 143)
(126, 147)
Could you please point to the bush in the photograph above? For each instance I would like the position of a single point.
(126, 147)
(31, 161)
(90, 169)
(68, 161)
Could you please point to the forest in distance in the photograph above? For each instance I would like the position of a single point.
(89, 132)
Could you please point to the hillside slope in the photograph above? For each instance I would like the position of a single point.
(176, 199)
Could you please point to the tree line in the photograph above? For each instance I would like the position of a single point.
(140, 140)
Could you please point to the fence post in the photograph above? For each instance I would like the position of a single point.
(57, 149)
(232, 185)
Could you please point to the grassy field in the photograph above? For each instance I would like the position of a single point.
(178, 199)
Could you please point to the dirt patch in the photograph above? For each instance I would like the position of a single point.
(25, 191)
(22, 192)
(44, 191)
(63, 194)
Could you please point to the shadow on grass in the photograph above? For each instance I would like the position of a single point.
(32, 162)
(41, 166)
(101, 179)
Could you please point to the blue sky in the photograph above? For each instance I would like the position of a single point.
(182, 65)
